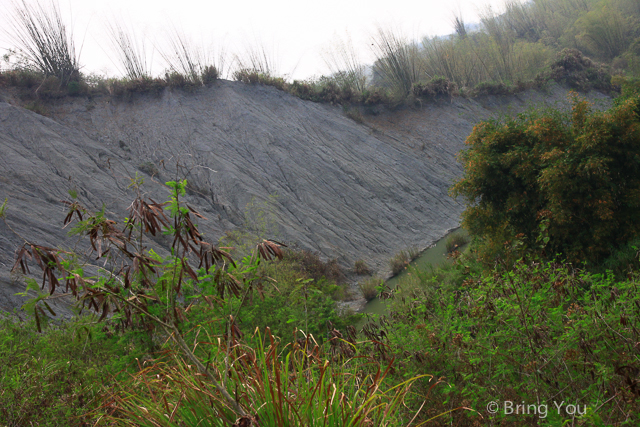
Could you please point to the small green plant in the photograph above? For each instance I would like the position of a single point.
(455, 242)
(369, 287)
(361, 268)
(399, 262)
(37, 107)
(209, 75)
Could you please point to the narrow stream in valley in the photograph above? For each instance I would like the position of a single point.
(436, 254)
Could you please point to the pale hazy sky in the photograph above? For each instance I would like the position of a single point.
(294, 32)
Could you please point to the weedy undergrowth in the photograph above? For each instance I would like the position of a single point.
(206, 368)
(302, 383)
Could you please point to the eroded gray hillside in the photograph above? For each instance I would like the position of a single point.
(347, 190)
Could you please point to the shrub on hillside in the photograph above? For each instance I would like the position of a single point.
(313, 267)
(369, 287)
(532, 330)
(455, 242)
(360, 267)
(492, 88)
(438, 86)
(401, 260)
(209, 75)
(557, 183)
(580, 72)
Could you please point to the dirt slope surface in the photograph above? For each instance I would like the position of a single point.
(348, 190)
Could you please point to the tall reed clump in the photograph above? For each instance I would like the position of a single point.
(607, 32)
(41, 35)
(257, 65)
(302, 383)
(346, 67)
(398, 62)
(130, 50)
(188, 64)
(502, 40)
(402, 259)
(492, 56)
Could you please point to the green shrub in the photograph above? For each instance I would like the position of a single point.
(312, 266)
(175, 79)
(126, 88)
(50, 88)
(401, 260)
(492, 88)
(436, 87)
(354, 114)
(530, 332)
(209, 75)
(369, 287)
(37, 107)
(23, 78)
(554, 183)
(579, 72)
(360, 267)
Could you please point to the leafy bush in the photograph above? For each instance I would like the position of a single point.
(126, 88)
(579, 72)
(492, 88)
(23, 78)
(558, 183)
(51, 378)
(354, 114)
(527, 332)
(209, 74)
(312, 266)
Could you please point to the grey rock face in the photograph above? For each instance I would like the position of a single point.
(348, 190)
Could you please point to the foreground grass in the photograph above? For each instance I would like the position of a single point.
(548, 334)
(53, 378)
(554, 337)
